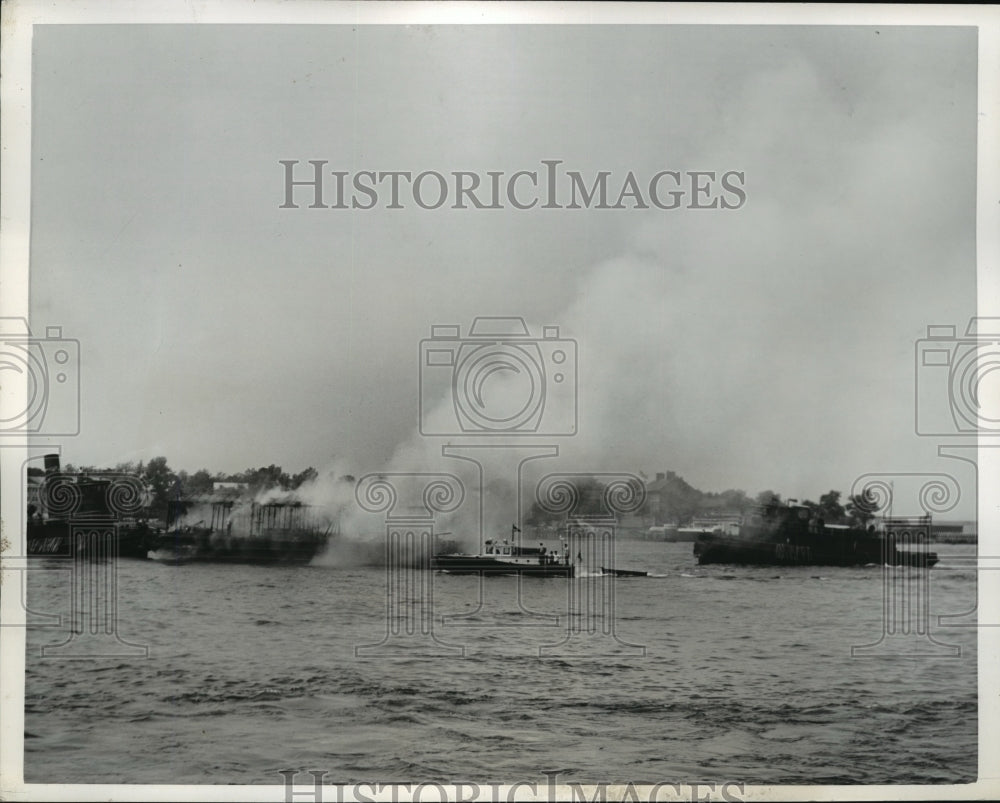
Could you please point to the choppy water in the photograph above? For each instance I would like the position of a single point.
(747, 676)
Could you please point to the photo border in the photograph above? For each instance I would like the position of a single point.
(18, 19)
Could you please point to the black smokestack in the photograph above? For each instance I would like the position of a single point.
(52, 464)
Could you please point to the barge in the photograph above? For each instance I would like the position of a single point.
(94, 514)
(792, 535)
(274, 533)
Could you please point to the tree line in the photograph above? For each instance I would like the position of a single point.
(671, 499)
(166, 484)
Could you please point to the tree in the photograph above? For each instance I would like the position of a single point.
(200, 482)
(679, 501)
(303, 477)
(264, 479)
(161, 480)
(861, 508)
(768, 498)
(830, 508)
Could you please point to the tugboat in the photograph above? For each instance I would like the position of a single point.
(509, 557)
(792, 535)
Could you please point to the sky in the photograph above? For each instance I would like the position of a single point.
(771, 346)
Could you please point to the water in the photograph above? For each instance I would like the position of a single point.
(747, 677)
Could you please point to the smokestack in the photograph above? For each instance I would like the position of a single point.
(52, 464)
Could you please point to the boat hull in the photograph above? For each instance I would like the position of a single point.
(624, 572)
(60, 539)
(203, 546)
(484, 564)
(724, 549)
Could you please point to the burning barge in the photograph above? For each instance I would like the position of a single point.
(105, 515)
(791, 535)
(267, 533)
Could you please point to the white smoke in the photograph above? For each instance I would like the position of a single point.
(763, 347)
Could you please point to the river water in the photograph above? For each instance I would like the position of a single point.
(716, 673)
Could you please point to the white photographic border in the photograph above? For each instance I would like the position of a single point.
(15, 64)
